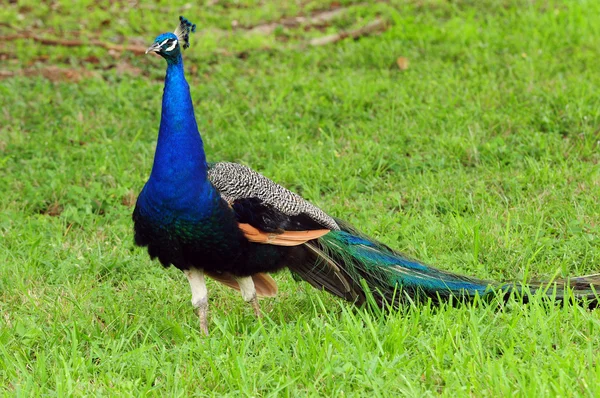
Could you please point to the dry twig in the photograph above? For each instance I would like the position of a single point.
(136, 49)
(378, 25)
(318, 19)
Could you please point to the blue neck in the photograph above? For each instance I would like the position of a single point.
(179, 173)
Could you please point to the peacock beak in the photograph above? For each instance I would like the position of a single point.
(155, 47)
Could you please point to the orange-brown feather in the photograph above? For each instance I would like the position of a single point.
(264, 284)
(285, 238)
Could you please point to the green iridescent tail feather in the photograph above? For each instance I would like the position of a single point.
(346, 259)
(579, 289)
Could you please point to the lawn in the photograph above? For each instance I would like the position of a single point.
(464, 133)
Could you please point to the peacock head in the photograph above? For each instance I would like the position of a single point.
(168, 45)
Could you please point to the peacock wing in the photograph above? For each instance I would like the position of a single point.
(268, 213)
(264, 204)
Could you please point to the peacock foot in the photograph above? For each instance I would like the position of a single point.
(256, 307)
(203, 317)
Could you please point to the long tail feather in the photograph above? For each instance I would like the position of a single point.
(394, 278)
(583, 288)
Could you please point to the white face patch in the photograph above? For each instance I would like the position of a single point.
(172, 46)
(163, 43)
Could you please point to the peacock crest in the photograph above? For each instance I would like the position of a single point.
(183, 31)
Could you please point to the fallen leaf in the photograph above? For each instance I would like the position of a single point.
(53, 210)
(129, 199)
(124, 68)
(402, 63)
(6, 73)
(56, 74)
(92, 59)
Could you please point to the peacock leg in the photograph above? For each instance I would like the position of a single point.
(199, 295)
(249, 293)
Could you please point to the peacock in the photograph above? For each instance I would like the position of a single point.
(227, 222)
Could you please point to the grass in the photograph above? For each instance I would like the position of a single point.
(480, 158)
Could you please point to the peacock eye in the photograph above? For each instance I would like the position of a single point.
(172, 43)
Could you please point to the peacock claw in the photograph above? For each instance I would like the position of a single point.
(256, 307)
(203, 317)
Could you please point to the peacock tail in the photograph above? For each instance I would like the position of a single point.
(368, 267)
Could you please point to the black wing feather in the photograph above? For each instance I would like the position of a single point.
(267, 218)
